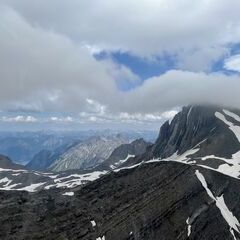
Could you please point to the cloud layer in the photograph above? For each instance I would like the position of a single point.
(47, 61)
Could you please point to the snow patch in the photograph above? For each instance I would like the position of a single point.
(101, 238)
(233, 115)
(130, 167)
(68, 194)
(93, 223)
(220, 203)
(182, 158)
(115, 165)
(31, 188)
(77, 179)
(235, 129)
(189, 227)
(5, 180)
(11, 170)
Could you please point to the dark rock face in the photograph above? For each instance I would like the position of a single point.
(135, 148)
(146, 198)
(6, 163)
(152, 201)
(192, 126)
(195, 127)
(42, 160)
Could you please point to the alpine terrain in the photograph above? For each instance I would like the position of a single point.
(184, 186)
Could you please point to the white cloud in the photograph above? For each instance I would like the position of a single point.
(201, 59)
(233, 63)
(47, 64)
(198, 30)
(94, 107)
(178, 88)
(169, 114)
(44, 70)
(67, 119)
(19, 119)
(101, 113)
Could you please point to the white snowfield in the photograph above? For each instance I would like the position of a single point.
(29, 188)
(51, 180)
(75, 180)
(220, 203)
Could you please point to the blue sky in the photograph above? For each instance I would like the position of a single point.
(122, 65)
(144, 68)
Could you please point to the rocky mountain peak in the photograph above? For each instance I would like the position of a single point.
(185, 186)
(197, 126)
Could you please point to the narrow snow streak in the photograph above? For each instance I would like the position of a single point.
(189, 227)
(115, 165)
(234, 128)
(190, 110)
(220, 203)
(231, 114)
(130, 167)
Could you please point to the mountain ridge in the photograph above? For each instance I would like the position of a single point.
(185, 186)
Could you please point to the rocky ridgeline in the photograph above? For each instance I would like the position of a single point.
(185, 186)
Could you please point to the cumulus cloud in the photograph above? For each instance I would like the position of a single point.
(47, 61)
(19, 119)
(67, 119)
(196, 29)
(178, 88)
(233, 63)
(101, 113)
(43, 70)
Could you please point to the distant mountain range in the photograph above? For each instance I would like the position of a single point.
(184, 186)
(87, 154)
(23, 147)
(30, 178)
(45, 158)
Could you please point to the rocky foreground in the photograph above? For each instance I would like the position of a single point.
(185, 186)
